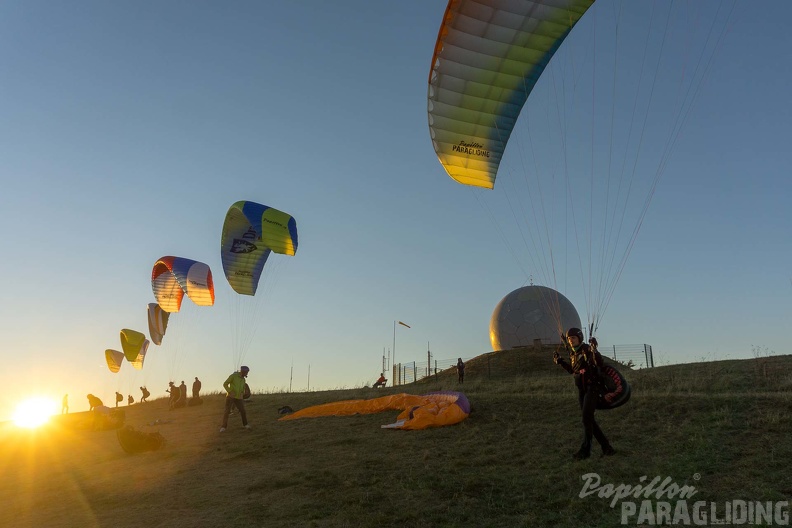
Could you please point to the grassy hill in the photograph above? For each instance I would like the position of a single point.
(722, 427)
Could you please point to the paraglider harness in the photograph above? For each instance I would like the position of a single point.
(133, 441)
(246, 394)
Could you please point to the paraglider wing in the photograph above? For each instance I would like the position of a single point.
(487, 59)
(157, 322)
(173, 277)
(114, 360)
(166, 288)
(439, 409)
(134, 344)
(252, 231)
(435, 409)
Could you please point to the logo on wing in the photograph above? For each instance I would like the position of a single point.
(242, 246)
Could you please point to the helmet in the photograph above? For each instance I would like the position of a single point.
(243, 368)
(577, 332)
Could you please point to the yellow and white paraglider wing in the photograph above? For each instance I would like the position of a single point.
(418, 411)
(114, 360)
(134, 344)
(488, 56)
(158, 322)
(167, 290)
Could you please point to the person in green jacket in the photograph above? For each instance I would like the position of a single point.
(235, 390)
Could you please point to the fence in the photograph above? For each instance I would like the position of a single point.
(634, 356)
(404, 373)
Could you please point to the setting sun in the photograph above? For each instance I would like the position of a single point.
(34, 412)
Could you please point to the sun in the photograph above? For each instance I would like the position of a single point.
(34, 412)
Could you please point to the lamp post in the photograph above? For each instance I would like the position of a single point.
(396, 378)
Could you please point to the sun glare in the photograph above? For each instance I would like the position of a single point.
(34, 412)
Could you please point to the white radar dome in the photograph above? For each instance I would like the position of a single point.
(531, 313)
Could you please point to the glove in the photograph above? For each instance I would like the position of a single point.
(556, 358)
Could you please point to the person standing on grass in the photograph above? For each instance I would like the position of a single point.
(65, 404)
(460, 366)
(182, 394)
(173, 391)
(196, 388)
(235, 391)
(584, 364)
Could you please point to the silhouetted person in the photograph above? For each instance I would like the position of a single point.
(146, 394)
(93, 402)
(173, 391)
(196, 388)
(182, 395)
(65, 404)
(130, 400)
(119, 398)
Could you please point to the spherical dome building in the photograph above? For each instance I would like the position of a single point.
(530, 313)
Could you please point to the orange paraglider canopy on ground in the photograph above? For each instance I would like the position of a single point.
(435, 409)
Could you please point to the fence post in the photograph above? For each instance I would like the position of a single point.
(428, 363)
(646, 355)
(614, 352)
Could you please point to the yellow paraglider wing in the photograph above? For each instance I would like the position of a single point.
(134, 344)
(114, 360)
(251, 232)
(488, 56)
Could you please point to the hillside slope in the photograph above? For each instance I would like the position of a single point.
(722, 427)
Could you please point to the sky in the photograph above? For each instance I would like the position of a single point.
(127, 129)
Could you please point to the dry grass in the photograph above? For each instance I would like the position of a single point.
(507, 465)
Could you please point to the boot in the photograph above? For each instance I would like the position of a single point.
(580, 455)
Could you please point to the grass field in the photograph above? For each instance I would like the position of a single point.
(722, 427)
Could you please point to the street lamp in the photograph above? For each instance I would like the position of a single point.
(397, 378)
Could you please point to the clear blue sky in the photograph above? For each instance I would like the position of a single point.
(127, 129)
